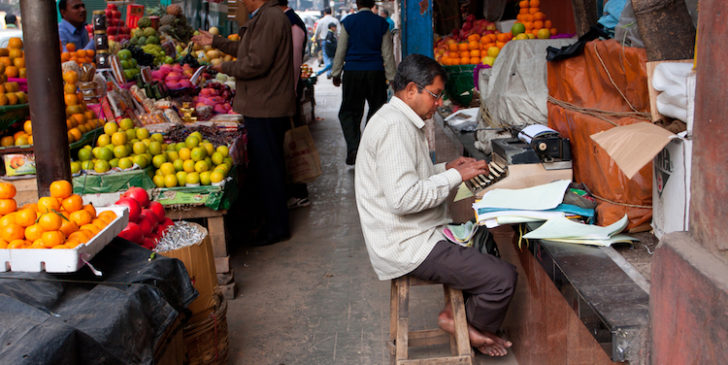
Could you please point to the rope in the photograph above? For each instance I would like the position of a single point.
(598, 113)
(612, 80)
(622, 204)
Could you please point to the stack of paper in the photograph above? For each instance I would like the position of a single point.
(537, 203)
(562, 229)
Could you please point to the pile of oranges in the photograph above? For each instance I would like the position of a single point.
(476, 49)
(533, 20)
(81, 56)
(59, 221)
(13, 58)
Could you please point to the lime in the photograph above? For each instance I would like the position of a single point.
(157, 137)
(139, 148)
(181, 177)
(101, 166)
(216, 176)
(87, 165)
(517, 29)
(121, 151)
(205, 178)
(193, 178)
(141, 161)
(493, 52)
(126, 124)
(223, 150)
(192, 141)
(172, 155)
(105, 154)
(154, 148)
(209, 148)
(158, 181)
(201, 166)
(110, 128)
(543, 33)
(184, 153)
(84, 154)
(198, 154)
(142, 133)
(114, 163)
(158, 160)
(188, 165)
(179, 145)
(167, 168)
(217, 158)
(178, 165)
(170, 181)
(130, 134)
(197, 134)
(75, 166)
(103, 140)
(125, 163)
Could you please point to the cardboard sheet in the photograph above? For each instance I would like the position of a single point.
(633, 146)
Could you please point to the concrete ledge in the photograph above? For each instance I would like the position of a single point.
(688, 303)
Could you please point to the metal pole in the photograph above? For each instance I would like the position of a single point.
(45, 88)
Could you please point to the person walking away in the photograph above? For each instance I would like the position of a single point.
(329, 49)
(265, 97)
(384, 13)
(322, 27)
(402, 202)
(72, 28)
(298, 192)
(364, 53)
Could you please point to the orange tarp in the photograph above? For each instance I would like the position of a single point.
(585, 82)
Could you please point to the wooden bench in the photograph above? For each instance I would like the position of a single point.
(401, 338)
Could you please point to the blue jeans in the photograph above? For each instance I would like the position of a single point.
(328, 61)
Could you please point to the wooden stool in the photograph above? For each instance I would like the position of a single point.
(400, 337)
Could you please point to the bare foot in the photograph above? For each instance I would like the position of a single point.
(486, 342)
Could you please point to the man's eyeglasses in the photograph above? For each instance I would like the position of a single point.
(436, 96)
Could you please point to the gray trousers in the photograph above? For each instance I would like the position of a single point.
(487, 282)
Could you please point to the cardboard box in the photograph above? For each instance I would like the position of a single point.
(671, 187)
(200, 264)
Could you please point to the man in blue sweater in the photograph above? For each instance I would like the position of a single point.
(364, 53)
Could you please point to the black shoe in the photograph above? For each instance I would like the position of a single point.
(351, 158)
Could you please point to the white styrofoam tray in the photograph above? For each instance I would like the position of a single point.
(65, 260)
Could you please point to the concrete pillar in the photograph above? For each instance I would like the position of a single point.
(689, 291)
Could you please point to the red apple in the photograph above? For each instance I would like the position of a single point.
(134, 208)
(138, 194)
(158, 208)
(131, 232)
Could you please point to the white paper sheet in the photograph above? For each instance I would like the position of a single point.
(540, 197)
(562, 228)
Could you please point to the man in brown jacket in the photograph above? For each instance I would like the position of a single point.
(265, 96)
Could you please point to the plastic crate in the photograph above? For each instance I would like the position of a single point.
(459, 86)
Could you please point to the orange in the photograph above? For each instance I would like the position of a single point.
(69, 244)
(12, 232)
(553, 31)
(5, 60)
(3, 244)
(532, 11)
(535, 3)
(528, 17)
(25, 217)
(19, 243)
(452, 46)
(7, 190)
(33, 232)
(15, 43)
(11, 71)
(81, 217)
(75, 133)
(474, 38)
(50, 221)
(61, 189)
(462, 46)
(7, 206)
(537, 24)
(91, 228)
(31, 206)
(82, 236)
(70, 77)
(99, 224)
(47, 204)
(38, 244)
(523, 4)
(68, 227)
(72, 203)
(70, 99)
(547, 24)
(70, 47)
(79, 118)
(19, 63)
(28, 127)
(52, 238)
(539, 16)
(60, 247)
(475, 53)
(90, 208)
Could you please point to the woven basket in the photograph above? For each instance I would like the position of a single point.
(206, 341)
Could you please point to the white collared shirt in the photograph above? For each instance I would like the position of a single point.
(401, 196)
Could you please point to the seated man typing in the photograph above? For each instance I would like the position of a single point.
(402, 201)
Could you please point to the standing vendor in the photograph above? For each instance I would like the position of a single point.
(266, 98)
(72, 28)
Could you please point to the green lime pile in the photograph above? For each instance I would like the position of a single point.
(196, 161)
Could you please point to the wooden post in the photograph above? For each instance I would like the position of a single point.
(45, 88)
(666, 28)
(585, 15)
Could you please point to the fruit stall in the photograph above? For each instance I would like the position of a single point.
(154, 144)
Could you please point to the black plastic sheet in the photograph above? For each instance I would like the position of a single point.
(119, 318)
